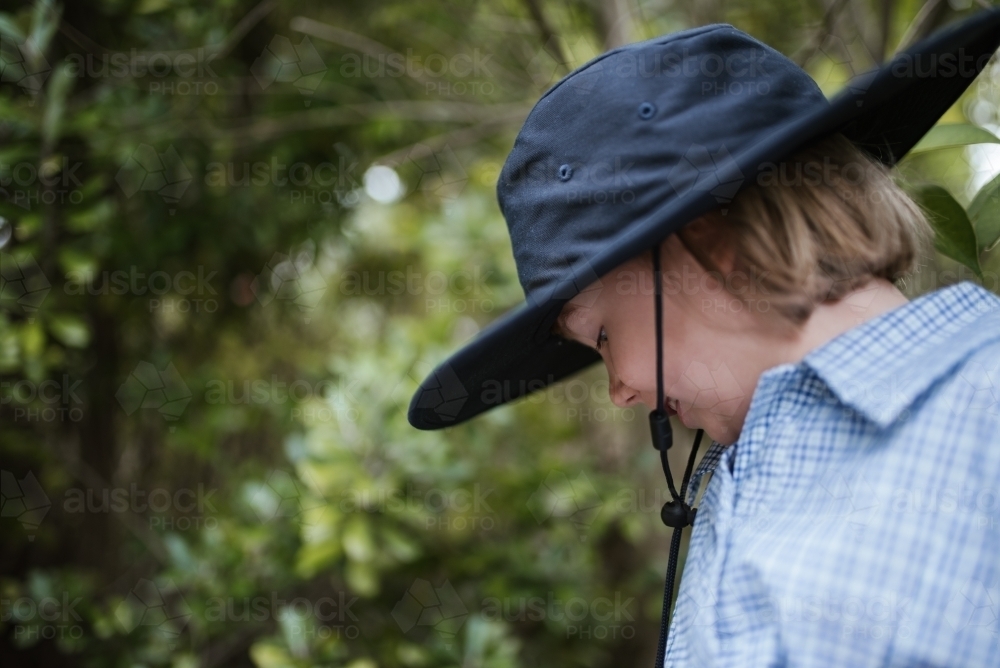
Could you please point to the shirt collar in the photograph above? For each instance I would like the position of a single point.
(708, 464)
(880, 367)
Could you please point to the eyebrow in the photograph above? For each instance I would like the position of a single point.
(559, 326)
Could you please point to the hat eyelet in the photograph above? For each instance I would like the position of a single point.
(647, 110)
(565, 172)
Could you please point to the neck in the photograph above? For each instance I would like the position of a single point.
(828, 321)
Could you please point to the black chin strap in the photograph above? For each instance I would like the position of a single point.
(675, 513)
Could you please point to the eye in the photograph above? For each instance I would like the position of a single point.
(602, 337)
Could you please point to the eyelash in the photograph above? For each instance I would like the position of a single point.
(602, 336)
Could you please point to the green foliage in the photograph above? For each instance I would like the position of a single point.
(954, 234)
(206, 356)
(950, 136)
(960, 234)
(984, 211)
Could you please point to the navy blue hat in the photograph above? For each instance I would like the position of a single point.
(633, 145)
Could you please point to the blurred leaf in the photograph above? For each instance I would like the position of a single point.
(362, 663)
(70, 330)
(93, 218)
(296, 627)
(45, 22)
(984, 212)
(60, 85)
(32, 339)
(77, 265)
(357, 539)
(10, 350)
(399, 546)
(10, 29)
(314, 557)
(151, 6)
(950, 136)
(953, 233)
(362, 578)
(266, 654)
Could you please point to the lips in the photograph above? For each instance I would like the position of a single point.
(671, 406)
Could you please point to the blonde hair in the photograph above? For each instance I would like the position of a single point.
(813, 228)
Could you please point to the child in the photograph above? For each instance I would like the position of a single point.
(836, 406)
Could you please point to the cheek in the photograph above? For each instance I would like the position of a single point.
(707, 384)
(694, 370)
(682, 352)
(631, 356)
(633, 363)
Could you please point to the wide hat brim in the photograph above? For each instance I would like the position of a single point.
(885, 111)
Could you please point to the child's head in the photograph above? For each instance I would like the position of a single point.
(741, 284)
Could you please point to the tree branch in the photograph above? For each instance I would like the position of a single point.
(549, 40)
(919, 26)
(815, 40)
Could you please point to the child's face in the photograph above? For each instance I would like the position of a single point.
(715, 346)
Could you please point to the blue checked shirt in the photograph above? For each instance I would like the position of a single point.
(856, 521)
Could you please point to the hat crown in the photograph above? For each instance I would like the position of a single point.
(633, 128)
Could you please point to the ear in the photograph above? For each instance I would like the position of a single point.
(707, 239)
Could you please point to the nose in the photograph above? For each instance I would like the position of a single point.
(621, 394)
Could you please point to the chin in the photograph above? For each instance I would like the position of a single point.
(725, 434)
